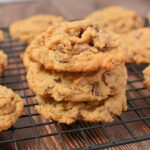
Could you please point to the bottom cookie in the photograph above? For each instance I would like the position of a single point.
(146, 82)
(11, 108)
(69, 112)
(3, 61)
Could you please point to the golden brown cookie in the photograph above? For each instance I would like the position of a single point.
(1, 36)
(77, 46)
(27, 29)
(69, 112)
(138, 45)
(3, 61)
(117, 19)
(76, 86)
(67, 86)
(11, 107)
(146, 73)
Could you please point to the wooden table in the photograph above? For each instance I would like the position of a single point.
(70, 10)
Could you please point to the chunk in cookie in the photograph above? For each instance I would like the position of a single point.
(3, 61)
(11, 108)
(69, 112)
(117, 19)
(77, 46)
(27, 29)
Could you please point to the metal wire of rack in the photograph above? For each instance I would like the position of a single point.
(33, 132)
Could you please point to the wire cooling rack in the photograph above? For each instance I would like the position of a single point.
(33, 132)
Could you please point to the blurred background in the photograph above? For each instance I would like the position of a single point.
(12, 10)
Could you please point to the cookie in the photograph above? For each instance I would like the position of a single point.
(146, 73)
(76, 86)
(1, 36)
(117, 19)
(69, 112)
(3, 61)
(138, 45)
(77, 46)
(11, 108)
(27, 29)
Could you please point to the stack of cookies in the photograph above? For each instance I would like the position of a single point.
(76, 69)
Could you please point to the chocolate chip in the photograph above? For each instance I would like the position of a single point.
(82, 48)
(91, 43)
(113, 88)
(95, 89)
(47, 90)
(12, 98)
(81, 32)
(104, 49)
(58, 80)
(63, 61)
(72, 44)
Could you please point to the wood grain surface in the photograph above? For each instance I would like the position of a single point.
(70, 10)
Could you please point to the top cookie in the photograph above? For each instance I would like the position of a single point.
(1, 36)
(117, 19)
(138, 45)
(27, 29)
(11, 107)
(3, 61)
(77, 46)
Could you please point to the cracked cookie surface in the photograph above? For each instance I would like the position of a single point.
(117, 19)
(76, 86)
(27, 29)
(1, 36)
(11, 108)
(3, 61)
(77, 46)
(69, 112)
(138, 45)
